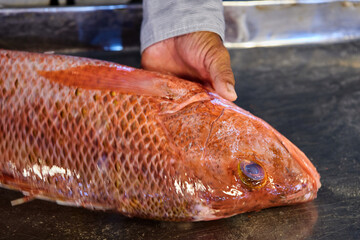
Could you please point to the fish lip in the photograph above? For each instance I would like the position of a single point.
(304, 191)
(304, 195)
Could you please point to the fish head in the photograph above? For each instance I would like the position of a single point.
(248, 166)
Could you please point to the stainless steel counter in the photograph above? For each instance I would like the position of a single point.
(117, 27)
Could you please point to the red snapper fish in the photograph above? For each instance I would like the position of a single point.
(101, 135)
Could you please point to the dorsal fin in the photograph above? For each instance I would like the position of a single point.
(112, 77)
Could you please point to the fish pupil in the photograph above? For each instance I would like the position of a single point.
(252, 170)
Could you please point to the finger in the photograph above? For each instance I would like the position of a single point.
(221, 74)
(151, 53)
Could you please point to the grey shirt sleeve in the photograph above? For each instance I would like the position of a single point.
(163, 19)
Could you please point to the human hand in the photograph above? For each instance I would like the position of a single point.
(198, 56)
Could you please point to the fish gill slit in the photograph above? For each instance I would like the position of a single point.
(208, 137)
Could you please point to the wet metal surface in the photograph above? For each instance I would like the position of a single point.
(117, 27)
(44, 3)
(311, 94)
(109, 28)
(271, 23)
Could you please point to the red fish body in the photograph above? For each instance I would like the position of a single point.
(101, 135)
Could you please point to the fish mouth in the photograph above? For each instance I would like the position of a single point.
(304, 195)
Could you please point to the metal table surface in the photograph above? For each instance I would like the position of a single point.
(311, 94)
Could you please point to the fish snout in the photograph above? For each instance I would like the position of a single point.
(303, 161)
(302, 183)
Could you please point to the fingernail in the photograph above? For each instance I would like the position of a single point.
(231, 91)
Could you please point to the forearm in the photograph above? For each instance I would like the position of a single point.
(163, 19)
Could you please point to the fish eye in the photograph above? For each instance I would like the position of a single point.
(252, 174)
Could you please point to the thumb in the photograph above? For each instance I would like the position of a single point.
(221, 74)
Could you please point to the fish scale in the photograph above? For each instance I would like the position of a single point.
(100, 135)
(84, 147)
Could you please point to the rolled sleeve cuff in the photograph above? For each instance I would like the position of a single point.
(167, 19)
